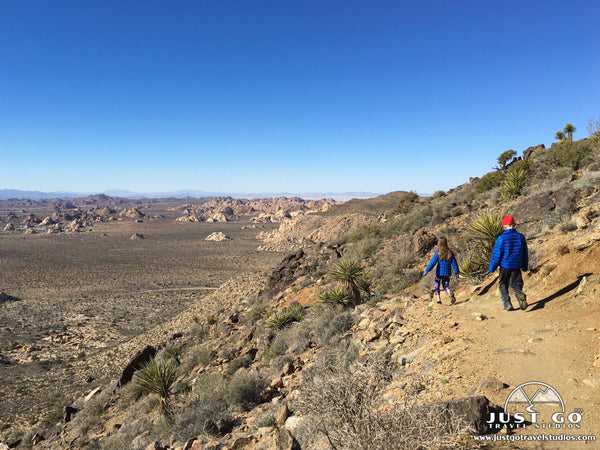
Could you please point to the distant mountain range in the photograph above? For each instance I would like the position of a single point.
(6, 194)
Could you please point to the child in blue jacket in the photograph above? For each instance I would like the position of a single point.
(446, 261)
(510, 253)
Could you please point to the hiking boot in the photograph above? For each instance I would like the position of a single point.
(508, 307)
(522, 298)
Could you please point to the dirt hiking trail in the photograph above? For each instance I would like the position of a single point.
(556, 340)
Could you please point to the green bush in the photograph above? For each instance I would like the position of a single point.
(505, 157)
(569, 154)
(207, 411)
(406, 203)
(489, 181)
(245, 390)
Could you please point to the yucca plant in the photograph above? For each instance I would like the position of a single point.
(334, 296)
(351, 273)
(281, 319)
(158, 378)
(513, 183)
(483, 231)
(486, 228)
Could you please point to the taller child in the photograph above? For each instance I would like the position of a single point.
(446, 261)
(510, 253)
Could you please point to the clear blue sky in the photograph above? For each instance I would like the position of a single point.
(294, 96)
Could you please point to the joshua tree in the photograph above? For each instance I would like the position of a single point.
(570, 129)
(559, 135)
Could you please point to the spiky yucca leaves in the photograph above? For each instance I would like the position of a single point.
(468, 267)
(281, 319)
(483, 231)
(513, 183)
(486, 228)
(354, 277)
(158, 378)
(334, 296)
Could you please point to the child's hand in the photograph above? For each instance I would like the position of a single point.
(425, 273)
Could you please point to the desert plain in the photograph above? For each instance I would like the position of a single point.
(69, 298)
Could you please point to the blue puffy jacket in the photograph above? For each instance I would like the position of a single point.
(444, 268)
(510, 251)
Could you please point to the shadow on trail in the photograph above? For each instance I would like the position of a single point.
(487, 287)
(540, 304)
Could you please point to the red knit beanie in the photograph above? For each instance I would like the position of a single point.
(508, 220)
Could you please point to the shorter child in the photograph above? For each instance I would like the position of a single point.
(445, 261)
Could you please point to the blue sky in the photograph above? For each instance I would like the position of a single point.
(286, 96)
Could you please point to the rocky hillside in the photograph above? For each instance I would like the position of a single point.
(299, 359)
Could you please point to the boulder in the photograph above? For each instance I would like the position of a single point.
(9, 227)
(217, 236)
(137, 362)
(423, 242)
(532, 150)
(136, 237)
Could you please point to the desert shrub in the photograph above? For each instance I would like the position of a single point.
(341, 402)
(489, 181)
(394, 265)
(204, 356)
(173, 352)
(419, 217)
(91, 412)
(321, 326)
(239, 362)
(569, 154)
(126, 434)
(245, 390)
(406, 203)
(206, 411)
(438, 194)
(566, 205)
(588, 179)
(158, 378)
(266, 419)
(328, 326)
(363, 248)
(486, 228)
(567, 225)
(559, 175)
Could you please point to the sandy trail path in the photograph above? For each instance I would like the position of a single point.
(556, 340)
